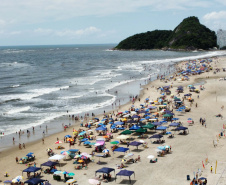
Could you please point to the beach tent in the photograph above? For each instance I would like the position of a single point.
(125, 173)
(161, 128)
(126, 132)
(34, 181)
(135, 143)
(157, 123)
(31, 169)
(105, 170)
(132, 121)
(134, 127)
(119, 123)
(49, 163)
(101, 128)
(156, 136)
(181, 128)
(174, 124)
(121, 149)
(141, 130)
(149, 126)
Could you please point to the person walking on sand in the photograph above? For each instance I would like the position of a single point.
(23, 145)
(211, 169)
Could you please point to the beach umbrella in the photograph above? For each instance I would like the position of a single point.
(123, 137)
(151, 157)
(168, 133)
(174, 119)
(80, 161)
(57, 172)
(78, 156)
(189, 118)
(94, 181)
(30, 153)
(92, 143)
(128, 155)
(70, 174)
(114, 142)
(82, 133)
(156, 136)
(70, 181)
(84, 157)
(58, 142)
(161, 148)
(141, 130)
(105, 151)
(167, 115)
(68, 136)
(86, 142)
(8, 182)
(126, 132)
(161, 128)
(65, 172)
(85, 139)
(65, 153)
(84, 153)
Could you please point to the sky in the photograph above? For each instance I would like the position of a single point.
(53, 22)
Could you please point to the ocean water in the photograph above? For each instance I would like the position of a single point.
(39, 84)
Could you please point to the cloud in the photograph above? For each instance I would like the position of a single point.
(68, 32)
(52, 10)
(215, 16)
(215, 20)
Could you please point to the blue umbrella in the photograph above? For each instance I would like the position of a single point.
(161, 148)
(87, 142)
(83, 140)
(30, 153)
(189, 118)
(82, 133)
(161, 128)
(175, 119)
(168, 133)
(68, 136)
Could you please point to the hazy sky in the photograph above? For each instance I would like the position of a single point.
(41, 22)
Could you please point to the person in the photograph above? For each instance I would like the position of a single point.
(20, 146)
(23, 145)
(6, 174)
(211, 169)
(17, 159)
(43, 140)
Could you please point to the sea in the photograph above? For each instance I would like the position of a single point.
(40, 86)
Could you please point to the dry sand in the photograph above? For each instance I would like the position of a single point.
(188, 151)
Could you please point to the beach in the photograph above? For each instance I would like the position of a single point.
(189, 152)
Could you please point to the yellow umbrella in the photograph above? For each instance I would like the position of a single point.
(80, 161)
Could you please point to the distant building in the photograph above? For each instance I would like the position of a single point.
(221, 38)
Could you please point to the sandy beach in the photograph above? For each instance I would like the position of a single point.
(189, 152)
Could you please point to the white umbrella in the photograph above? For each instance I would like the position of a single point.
(133, 112)
(142, 141)
(100, 139)
(94, 181)
(123, 137)
(126, 116)
(151, 157)
(57, 157)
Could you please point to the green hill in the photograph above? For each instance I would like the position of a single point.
(189, 34)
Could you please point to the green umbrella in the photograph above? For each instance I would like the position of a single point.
(141, 130)
(125, 132)
(92, 143)
(71, 174)
(167, 115)
(149, 126)
(114, 142)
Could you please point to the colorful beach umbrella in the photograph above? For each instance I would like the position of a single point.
(71, 174)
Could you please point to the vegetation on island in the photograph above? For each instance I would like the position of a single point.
(188, 35)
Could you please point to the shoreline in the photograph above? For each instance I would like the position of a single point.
(144, 93)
